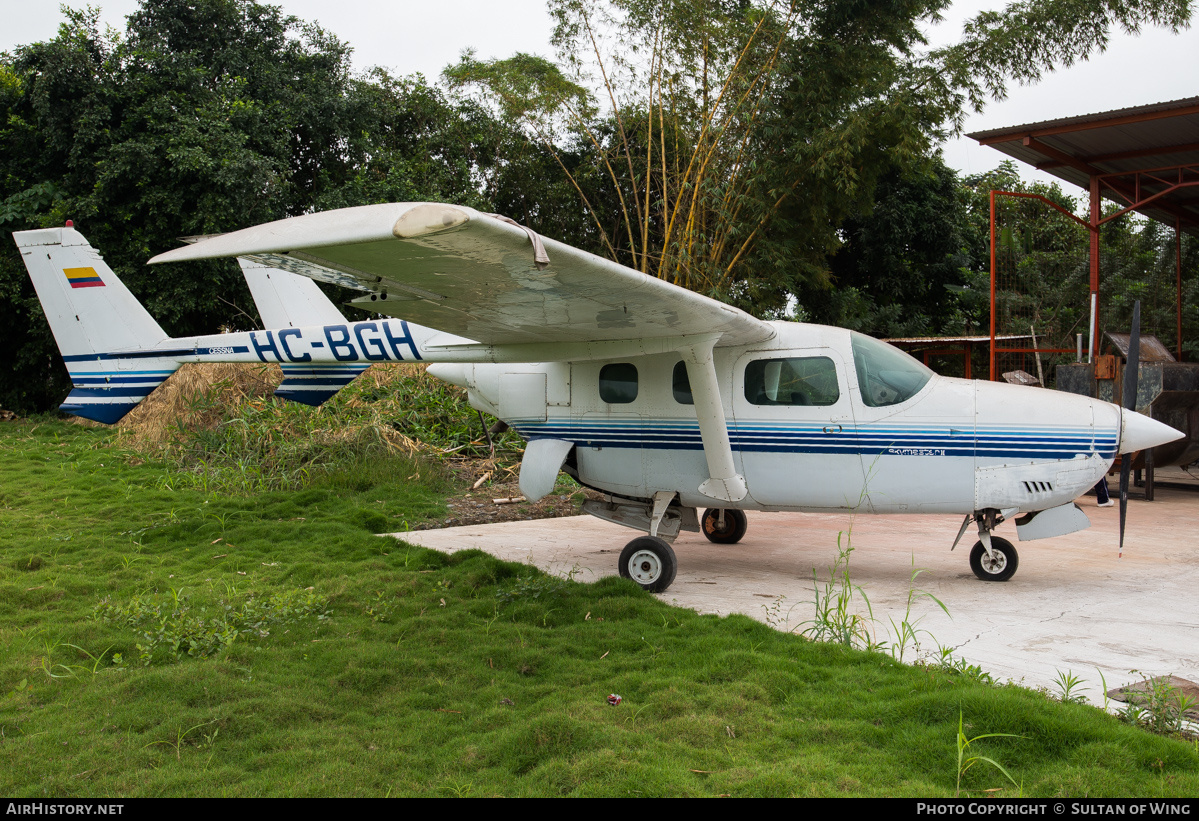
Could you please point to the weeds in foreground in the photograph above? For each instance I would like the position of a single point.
(966, 761)
(906, 631)
(835, 620)
(17, 689)
(958, 666)
(1160, 708)
(530, 587)
(1103, 684)
(167, 629)
(97, 660)
(1069, 687)
(381, 608)
(181, 735)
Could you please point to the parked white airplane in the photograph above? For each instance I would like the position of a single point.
(663, 399)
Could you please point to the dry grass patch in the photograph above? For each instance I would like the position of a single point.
(220, 426)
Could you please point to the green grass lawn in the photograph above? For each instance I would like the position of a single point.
(158, 639)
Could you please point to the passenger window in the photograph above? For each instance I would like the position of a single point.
(681, 385)
(795, 381)
(618, 383)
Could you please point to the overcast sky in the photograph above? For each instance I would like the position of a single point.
(407, 36)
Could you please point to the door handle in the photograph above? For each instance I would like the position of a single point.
(832, 428)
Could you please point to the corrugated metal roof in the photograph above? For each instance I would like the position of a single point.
(1165, 109)
(1151, 348)
(928, 340)
(1119, 146)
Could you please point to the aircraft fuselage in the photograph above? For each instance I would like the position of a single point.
(806, 434)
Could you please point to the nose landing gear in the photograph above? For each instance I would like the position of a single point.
(992, 559)
(998, 565)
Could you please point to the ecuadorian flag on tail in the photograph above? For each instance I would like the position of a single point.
(83, 278)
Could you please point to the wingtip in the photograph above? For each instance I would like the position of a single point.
(344, 226)
(176, 255)
(429, 218)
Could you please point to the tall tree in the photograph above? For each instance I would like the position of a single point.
(734, 138)
(899, 269)
(203, 117)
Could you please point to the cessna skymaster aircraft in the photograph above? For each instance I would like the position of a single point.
(663, 399)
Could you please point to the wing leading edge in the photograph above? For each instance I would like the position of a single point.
(458, 270)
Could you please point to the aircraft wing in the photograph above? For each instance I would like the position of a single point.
(474, 275)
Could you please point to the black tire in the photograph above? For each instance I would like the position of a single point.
(650, 562)
(999, 569)
(735, 525)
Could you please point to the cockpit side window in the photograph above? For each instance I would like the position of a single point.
(810, 380)
(618, 383)
(886, 375)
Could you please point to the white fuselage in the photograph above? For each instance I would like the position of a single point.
(954, 446)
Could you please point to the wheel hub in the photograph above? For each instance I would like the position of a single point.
(645, 567)
(995, 562)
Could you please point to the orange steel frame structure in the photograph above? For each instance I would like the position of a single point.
(1094, 272)
(1093, 226)
(1135, 188)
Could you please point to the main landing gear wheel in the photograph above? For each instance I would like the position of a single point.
(997, 568)
(650, 562)
(735, 525)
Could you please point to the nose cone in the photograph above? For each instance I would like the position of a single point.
(1139, 432)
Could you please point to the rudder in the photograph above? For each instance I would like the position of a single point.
(106, 337)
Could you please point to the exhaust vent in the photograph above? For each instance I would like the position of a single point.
(1038, 487)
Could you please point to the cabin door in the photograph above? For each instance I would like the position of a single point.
(795, 429)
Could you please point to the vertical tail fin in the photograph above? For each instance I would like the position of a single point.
(105, 335)
(287, 300)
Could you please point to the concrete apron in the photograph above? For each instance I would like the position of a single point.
(1072, 605)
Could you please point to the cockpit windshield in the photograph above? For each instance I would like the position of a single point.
(886, 375)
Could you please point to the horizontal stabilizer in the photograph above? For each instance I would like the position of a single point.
(108, 397)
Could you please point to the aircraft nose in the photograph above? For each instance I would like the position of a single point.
(1138, 432)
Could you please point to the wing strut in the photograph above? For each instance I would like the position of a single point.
(724, 482)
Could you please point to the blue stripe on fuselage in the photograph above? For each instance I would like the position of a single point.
(173, 353)
(1033, 443)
